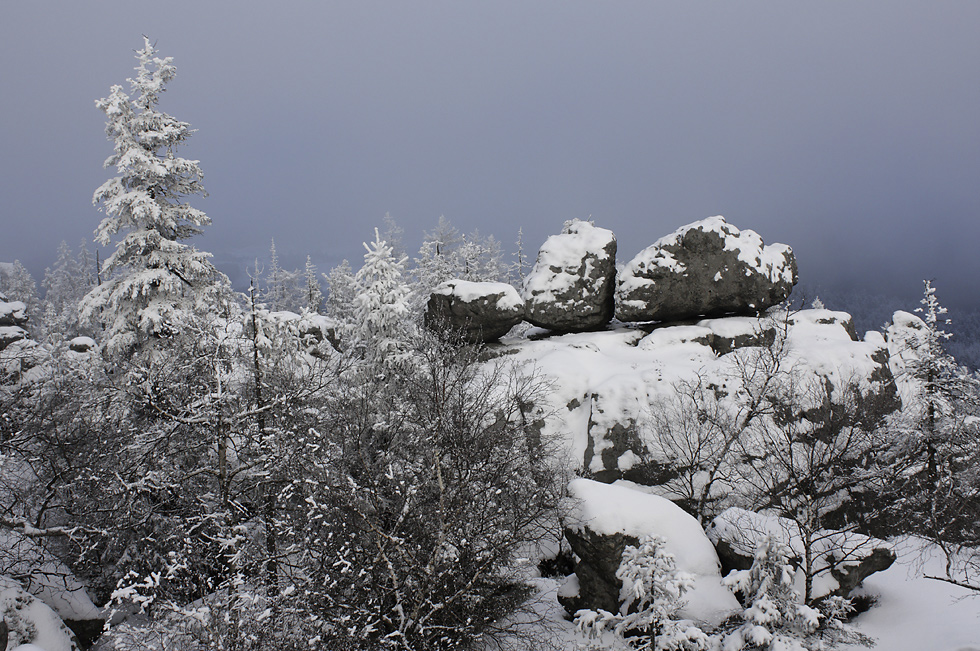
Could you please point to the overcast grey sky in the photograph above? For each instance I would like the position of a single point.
(849, 130)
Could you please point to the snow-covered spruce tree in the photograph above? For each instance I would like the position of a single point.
(518, 268)
(381, 321)
(341, 291)
(652, 592)
(935, 448)
(314, 295)
(284, 290)
(394, 235)
(64, 287)
(156, 276)
(774, 619)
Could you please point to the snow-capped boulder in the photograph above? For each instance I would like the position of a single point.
(841, 560)
(606, 517)
(12, 313)
(315, 328)
(30, 621)
(481, 312)
(13, 316)
(708, 268)
(81, 344)
(570, 288)
(10, 334)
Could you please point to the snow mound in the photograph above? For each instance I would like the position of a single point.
(30, 621)
(45, 577)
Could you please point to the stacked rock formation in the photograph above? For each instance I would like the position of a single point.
(705, 269)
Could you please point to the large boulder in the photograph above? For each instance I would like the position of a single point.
(840, 559)
(480, 312)
(708, 268)
(12, 313)
(81, 344)
(571, 286)
(10, 334)
(605, 518)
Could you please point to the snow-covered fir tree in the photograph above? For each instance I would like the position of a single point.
(394, 235)
(64, 287)
(774, 618)
(935, 439)
(88, 265)
(284, 289)
(17, 283)
(651, 594)
(480, 259)
(157, 277)
(314, 295)
(519, 266)
(381, 315)
(341, 291)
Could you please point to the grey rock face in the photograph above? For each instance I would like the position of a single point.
(481, 312)
(571, 287)
(708, 268)
(599, 558)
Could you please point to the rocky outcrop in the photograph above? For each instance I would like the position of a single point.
(13, 318)
(733, 333)
(10, 334)
(571, 286)
(606, 518)
(480, 312)
(12, 313)
(708, 268)
(841, 560)
(614, 392)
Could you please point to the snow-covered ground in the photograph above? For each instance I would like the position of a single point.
(912, 613)
(918, 614)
